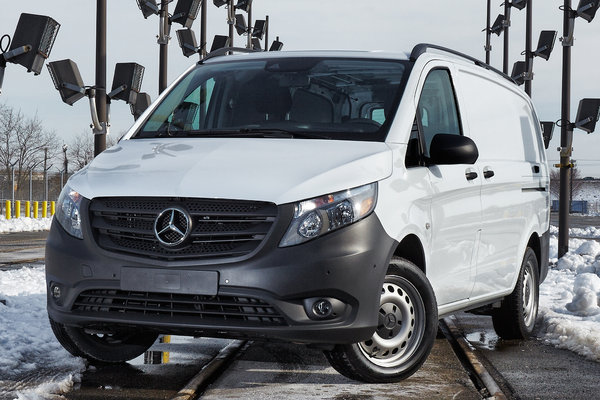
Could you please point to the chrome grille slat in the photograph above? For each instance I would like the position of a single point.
(220, 228)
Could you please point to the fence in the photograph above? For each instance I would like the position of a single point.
(29, 186)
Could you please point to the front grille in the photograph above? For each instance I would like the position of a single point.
(220, 228)
(228, 310)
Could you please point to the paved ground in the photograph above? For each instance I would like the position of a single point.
(287, 371)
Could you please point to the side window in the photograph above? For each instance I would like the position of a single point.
(437, 107)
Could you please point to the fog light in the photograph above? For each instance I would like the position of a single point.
(56, 292)
(322, 308)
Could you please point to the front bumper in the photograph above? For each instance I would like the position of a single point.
(266, 295)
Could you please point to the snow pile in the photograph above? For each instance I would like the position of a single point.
(33, 363)
(24, 224)
(570, 295)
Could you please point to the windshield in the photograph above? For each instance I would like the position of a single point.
(327, 98)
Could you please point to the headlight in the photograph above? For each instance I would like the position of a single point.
(315, 217)
(68, 213)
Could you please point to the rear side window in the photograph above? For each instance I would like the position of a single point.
(437, 109)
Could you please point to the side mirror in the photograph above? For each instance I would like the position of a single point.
(448, 149)
(547, 131)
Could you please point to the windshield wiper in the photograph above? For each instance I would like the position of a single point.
(251, 132)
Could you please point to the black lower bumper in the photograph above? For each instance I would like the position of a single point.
(271, 294)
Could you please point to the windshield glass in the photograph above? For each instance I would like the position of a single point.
(327, 98)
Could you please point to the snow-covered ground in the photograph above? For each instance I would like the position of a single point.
(569, 317)
(24, 224)
(570, 295)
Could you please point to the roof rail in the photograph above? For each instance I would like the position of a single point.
(225, 50)
(422, 48)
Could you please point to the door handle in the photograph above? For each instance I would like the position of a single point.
(488, 173)
(471, 175)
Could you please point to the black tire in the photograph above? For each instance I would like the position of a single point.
(408, 323)
(63, 338)
(516, 317)
(120, 346)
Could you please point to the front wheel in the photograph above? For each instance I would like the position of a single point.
(516, 317)
(405, 333)
(110, 347)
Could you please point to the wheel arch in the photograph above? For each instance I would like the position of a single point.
(411, 249)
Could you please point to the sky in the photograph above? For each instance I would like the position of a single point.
(393, 25)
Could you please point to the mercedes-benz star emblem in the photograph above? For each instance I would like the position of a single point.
(172, 226)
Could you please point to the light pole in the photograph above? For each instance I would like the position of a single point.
(587, 10)
(100, 134)
(488, 33)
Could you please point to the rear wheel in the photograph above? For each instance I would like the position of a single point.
(405, 332)
(117, 346)
(515, 319)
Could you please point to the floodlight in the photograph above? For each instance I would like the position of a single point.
(259, 28)
(587, 9)
(148, 7)
(276, 46)
(67, 80)
(498, 25)
(142, 102)
(35, 34)
(256, 44)
(219, 42)
(547, 131)
(545, 44)
(519, 4)
(220, 3)
(187, 42)
(127, 82)
(240, 24)
(244, 5)
(588, 114)
(186, 12)
(519, 72)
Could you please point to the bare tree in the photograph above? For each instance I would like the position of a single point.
(24, 145)
(576, 183)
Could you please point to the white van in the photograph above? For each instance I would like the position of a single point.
(346, 200)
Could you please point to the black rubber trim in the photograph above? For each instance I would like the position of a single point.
(534, 189)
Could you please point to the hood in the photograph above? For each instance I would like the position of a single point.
(275, 170)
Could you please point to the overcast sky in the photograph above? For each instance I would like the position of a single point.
(395, 25)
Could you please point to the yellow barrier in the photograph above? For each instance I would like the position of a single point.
(24, 209)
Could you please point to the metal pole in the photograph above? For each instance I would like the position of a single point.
(267, 33)
(488, 33)
(230, 21)
(30, 185)
(203, 29)
(100, 139)
(528, 52)
(566, 137)
(163, 41)
(13, 185)
(249, 43)
(506, 37)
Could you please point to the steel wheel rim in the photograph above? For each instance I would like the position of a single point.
(529, 297)
(401, 325)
